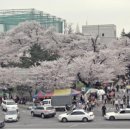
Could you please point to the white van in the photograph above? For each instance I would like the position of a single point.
(9, 105)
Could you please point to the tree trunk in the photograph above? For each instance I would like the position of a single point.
(81, 80)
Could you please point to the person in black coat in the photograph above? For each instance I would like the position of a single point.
(117, 88)
(67, 107)
(103, 110)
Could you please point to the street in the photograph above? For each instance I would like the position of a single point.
(27, 121)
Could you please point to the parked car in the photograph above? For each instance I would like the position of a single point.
(76, 115)
(121, 114)
(2, 124)
(12, 115)
(31, 107)
(43, 111)
(9, 105)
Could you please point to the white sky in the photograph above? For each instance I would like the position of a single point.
(79, 11)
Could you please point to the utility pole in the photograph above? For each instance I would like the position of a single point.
(98, 30)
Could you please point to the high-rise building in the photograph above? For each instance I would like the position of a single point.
(12, 17)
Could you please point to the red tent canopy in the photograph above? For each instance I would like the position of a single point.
(40, 94)
(44, 95)
(48, 94)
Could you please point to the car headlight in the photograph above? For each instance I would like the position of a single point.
(15, 117)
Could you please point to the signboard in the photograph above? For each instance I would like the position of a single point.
(128, 87)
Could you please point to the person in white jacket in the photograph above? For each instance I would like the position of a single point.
(117, 104)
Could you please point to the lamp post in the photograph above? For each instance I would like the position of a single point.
(98, 30)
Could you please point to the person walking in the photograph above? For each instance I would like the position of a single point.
(74, 107)
(117, 88)
(124, 99)
(113, 101)
(80, 105)
(89, 106)
(103, 110)
(121, 103)
(67, 108)
(105, 98)
(116, 104)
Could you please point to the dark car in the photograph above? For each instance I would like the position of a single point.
(2, 124)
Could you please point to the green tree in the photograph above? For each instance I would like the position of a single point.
(127, 35)
(22, 90)
(25, 62)
(37, 54)
(123, 32)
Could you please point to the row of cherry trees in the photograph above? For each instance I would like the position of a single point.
(80, 57)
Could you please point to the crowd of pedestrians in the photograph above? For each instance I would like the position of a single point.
(115, 97)
(118, 97)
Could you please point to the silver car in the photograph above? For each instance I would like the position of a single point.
(43, 111)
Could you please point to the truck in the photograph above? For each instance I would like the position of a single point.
(59, 102)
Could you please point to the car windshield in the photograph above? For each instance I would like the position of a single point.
(11, 113)
(10, 103)
(45, 102)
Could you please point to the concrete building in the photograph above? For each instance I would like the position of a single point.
(12, 17)
(106, 32)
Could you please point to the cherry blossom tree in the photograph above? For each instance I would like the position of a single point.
(81, 57)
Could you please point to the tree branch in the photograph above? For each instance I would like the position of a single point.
(103, 60)
(80, 79)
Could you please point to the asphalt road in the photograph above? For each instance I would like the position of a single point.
(27, 121)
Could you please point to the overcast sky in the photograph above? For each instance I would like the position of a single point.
(79, 11)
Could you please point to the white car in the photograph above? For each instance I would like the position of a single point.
(12, 115)
(121, 114)
(76, 115)
(9, 105)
